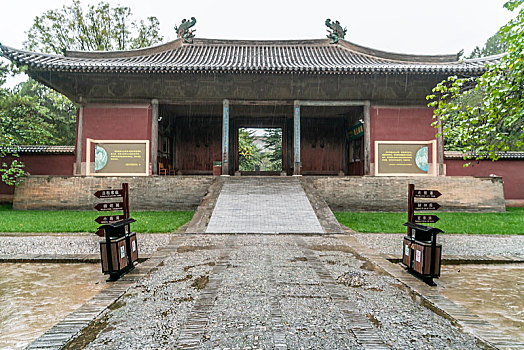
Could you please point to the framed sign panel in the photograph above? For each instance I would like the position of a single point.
(118, 157)
(406, 158)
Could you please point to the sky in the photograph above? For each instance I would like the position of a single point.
(403, 26)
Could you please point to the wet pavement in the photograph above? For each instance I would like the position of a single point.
(276, 292)
(494, 292)
(33, 297)
(287, 292)
(263, 205)
(272, 292)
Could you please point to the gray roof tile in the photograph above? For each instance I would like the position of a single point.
(42, 149)
(291, 56)
(503, 155)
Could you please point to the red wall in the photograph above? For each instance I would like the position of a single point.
(128, 122)
(41, 164)
(400, 124)
(512, 172)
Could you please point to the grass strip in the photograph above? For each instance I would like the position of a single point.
(83, 221)
(510, 223)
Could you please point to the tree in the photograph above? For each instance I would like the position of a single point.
(100, 28)
(21, 122)
(32, 113)
(56, 110)
(248, 153)
(494, 45)
(273, 140)
(494, 121)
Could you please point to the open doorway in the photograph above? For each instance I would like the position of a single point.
(260, 151)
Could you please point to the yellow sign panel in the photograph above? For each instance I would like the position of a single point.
(403, 158)
(120, 157)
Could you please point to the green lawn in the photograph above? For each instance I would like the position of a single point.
(510, 222)
(83, 221)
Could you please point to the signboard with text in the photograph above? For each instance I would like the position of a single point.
(118, 157)
(356, 131)
(408, 158)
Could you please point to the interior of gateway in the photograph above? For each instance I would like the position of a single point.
(191, 137)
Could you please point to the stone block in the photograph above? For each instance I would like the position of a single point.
(76, 192)
(369, 193)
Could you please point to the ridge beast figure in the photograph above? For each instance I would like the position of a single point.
(335, 31)
(183, 31)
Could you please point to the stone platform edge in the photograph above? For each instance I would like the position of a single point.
(389, 193)
(59, 258)
(467, 259)
(341, 193)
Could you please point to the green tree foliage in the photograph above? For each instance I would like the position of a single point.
(100, 28)
(494, 45)
(248, 153)
(31, 113)
(56, 110)
(21, 122)
(273, 140)
(485, 115)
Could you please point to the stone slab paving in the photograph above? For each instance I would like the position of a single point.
(452, 244)
(271, 292)
(61, 334)
(263, 205)
(70, 243)
(59, 258)
(489, 335)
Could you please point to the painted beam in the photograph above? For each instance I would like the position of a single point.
(154, 137)
(225, 137)
(306, 103)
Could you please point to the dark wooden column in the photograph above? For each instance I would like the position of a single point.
(79, 137)
(296, 139)
(225, 138)
(154, 137)
(440, 151)
(367, 139)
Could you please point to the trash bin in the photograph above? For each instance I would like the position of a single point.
(421, 253)
(119, 251)
(217, 168)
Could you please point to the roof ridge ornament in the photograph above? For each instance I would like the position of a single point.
(183, 31)
(335, 31)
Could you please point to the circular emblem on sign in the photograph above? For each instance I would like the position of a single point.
(100, 158)
(421, 158)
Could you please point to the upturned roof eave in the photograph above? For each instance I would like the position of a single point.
(380, 61)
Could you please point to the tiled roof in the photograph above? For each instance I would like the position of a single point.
(240, 56)
(43, 149)
(503, 155)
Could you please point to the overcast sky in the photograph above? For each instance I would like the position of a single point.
(404, 26)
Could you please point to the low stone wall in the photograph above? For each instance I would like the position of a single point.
(462, 193)
(76, 192)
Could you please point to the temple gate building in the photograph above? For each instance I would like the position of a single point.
(343, 109)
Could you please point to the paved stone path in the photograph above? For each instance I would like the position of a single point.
(263, 205)
(452, 244)
(271, 292)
